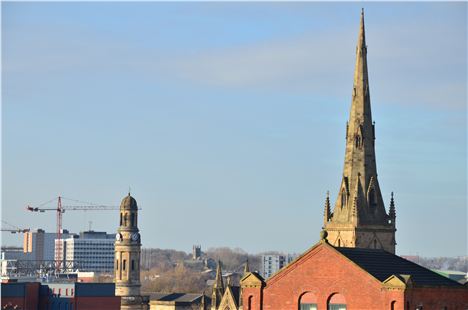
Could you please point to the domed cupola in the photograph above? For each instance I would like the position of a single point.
(128, 203)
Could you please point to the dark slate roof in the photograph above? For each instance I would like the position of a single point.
(381, 265)
(177, 297)
(236, 293)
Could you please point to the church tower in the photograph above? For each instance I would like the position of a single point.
(127, 257)
(359, 218)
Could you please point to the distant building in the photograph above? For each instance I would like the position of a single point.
(196, 252)
(57, 296)
(272, 263)
(13, 253)
(454, 275)
(40, 245)
(90, 250)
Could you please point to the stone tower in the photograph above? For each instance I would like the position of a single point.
(127, 257)
(359, 218)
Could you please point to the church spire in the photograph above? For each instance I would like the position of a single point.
(360, 170)
(359, 210)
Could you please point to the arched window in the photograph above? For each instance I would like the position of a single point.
(308, 301)
(393, 305)
(121, 217)
(249, 305)
(336, 302)
(125, 219)
(132, 219)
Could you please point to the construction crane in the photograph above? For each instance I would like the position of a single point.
(15, 229)
(60, 209)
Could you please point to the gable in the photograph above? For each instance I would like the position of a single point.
(398, 281)
(322, 262)
(252, 279)
(228, 301)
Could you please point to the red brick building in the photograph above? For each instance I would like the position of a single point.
(59, 296)
(327, 277)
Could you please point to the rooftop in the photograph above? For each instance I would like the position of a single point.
(381, 265)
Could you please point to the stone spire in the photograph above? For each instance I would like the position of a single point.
(359, 213)
(218, 288)
(360, 171)
(219, 277)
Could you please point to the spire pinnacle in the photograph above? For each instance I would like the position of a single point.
(327, 211)
(392, 211)
(246, 267)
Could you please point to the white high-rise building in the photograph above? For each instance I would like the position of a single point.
(271, 263)
(40, 245)
(91, 251)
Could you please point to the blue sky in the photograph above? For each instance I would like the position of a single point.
(227, 120)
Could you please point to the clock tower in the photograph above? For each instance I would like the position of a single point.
(127, 257)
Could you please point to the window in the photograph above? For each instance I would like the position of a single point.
(124, 264)
(132, 219)
(133, 265)
(249, 307)
(308, 301)
(392, 305)
(336, 302)
(117, 264)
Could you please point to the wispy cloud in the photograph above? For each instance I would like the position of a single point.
(414, 61)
